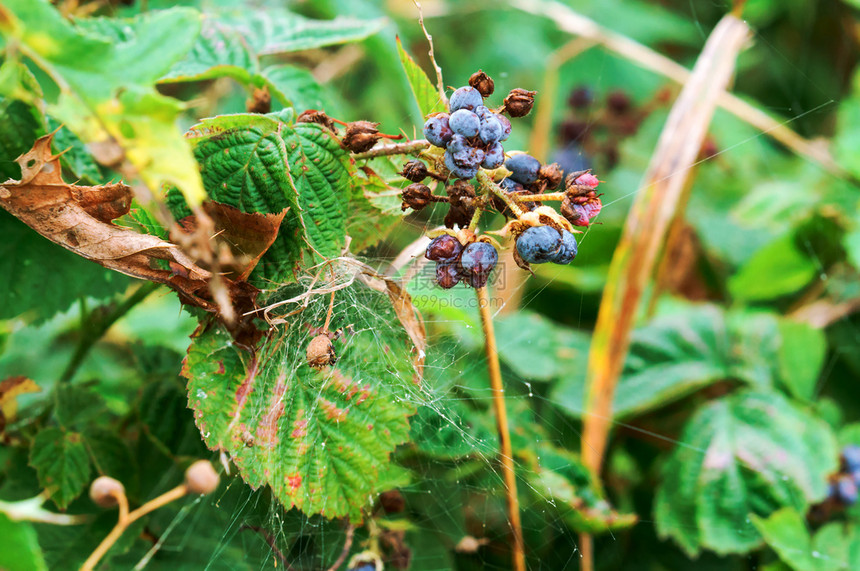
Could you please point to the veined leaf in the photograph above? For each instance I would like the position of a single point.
(61, 461)
(836, 546)
(220, 51)
(426, 95)
(319, 438)
(786, 270)
(739, 456)
(276, 31)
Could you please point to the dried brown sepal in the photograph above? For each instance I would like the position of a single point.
(318, 117)
(320, 352)
(570, 211)
(360, 136)
(392, 502)
(483, 83)
(414, 171)
(519, 102)
(260, 101)
(461, 195)
(416, 196)
(551, 174)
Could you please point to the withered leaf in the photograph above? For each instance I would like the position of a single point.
(248, 235)
(10, 389)
(78, 218)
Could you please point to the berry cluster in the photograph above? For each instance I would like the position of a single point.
(470, 133)
(844, 485)
(471, 264)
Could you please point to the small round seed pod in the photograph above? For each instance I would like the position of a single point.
(360, 136)
(201, 478)
(320, 352)
(105, 490)
(416, 196)
(414, 170)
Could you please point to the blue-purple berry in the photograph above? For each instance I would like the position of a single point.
(482, 111)
(437, 130)
(567, 252)
(506, 126)
(494, 156)
(851, 457)
(458, 171)
(447, 274)
(524, 168)
(470, 157)
(846, 490)
(464, 122)
(539, 244)
(510, 185)
(476, 262)
(444, 248)
(490, 130)
(465, 98)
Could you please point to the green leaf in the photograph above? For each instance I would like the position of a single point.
(684, 350)
(275, 31)
(777, 269)
(847, 138)
(266, 163)
(536, 348)
(61, 461)
(801, 357)
(42, 278)
(298, 86)
(738, 456)
(77, 406)
(835, 546)
(106, 70)
(220, 51)
(320, 439)
(373, 212)
(426, 95)
(19, 546)
(775, 204)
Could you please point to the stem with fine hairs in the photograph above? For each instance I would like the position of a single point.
(498, 391)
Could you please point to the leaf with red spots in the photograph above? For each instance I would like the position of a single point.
(321, 439)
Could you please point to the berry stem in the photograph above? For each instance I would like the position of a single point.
(407, 148)
(540, 197)
(476, 217)
(487, 183)
(506, 452)
(126, 519)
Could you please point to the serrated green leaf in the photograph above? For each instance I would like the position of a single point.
(275, 31)
(777, 269)
(426, 95)
(61, 461)
(323, 175)
(19, 546)
(740, 456)
(320, 439)
(21, 124)
(106, 70)
(42, 278)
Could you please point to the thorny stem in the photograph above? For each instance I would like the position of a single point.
(476, 217)
(507, 457)
(91, 331)
(541, 197)
(126, 519)
(486, 182)
(407, 148)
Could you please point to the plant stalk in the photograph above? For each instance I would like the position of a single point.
(407, 148)
(507, 457)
